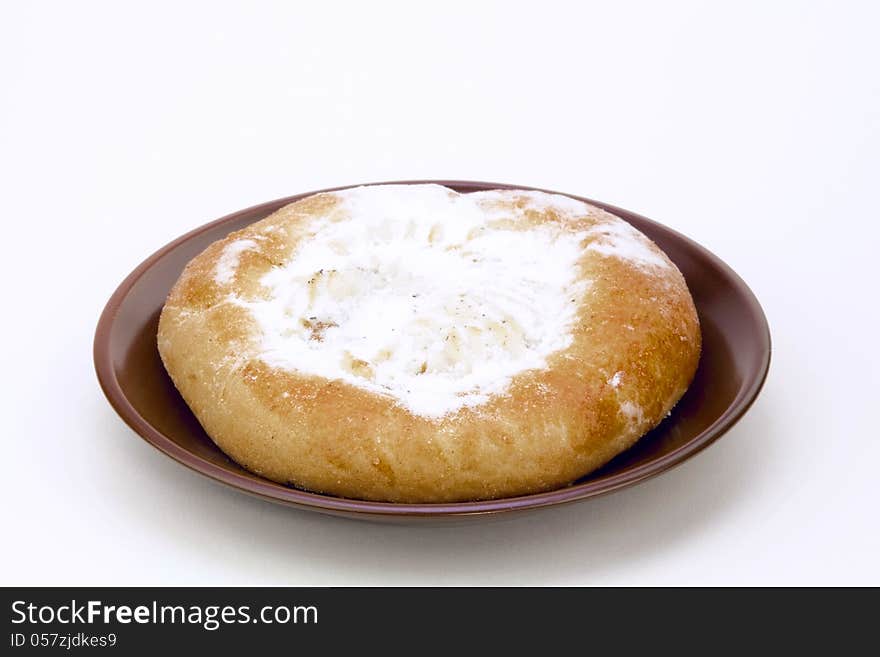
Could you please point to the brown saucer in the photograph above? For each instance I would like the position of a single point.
(734, 364)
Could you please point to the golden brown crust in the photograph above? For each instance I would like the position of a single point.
(551, 427)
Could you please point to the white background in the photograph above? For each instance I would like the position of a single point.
(753, 128)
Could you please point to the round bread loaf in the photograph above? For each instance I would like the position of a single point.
(407, 343)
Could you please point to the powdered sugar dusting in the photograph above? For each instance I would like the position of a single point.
(228, 262)
(538, 201)
(434, 299)
(616, 238)
(633, 412)
(414, 294)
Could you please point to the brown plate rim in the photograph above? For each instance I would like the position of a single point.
(278, 493)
